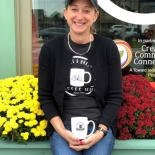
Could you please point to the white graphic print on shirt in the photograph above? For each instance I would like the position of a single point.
(77, 77)
(80, 80)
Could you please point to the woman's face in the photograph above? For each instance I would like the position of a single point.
(80, 15)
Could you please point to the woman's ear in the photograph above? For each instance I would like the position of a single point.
(95, 16)
(65, 13)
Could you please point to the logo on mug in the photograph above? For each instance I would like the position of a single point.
(80, 127)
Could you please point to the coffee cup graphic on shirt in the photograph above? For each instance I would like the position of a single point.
(77, 77)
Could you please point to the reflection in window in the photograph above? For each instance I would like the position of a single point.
(130, 5)
(48, 22)
(147, 7)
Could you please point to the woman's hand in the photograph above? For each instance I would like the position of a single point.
(62, 131)
(88, 142)
(70, 138)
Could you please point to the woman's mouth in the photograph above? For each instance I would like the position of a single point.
(79, 24)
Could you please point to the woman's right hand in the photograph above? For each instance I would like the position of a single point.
(63, 132)
(70, 138)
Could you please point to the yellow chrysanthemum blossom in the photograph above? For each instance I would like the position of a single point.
(2, 120)
(25, 135)
(37, 133)
(4, 132)
(32, 116)
(20, 109)
(43, 124)
(43, 133)
(20, 121)
(14, 125)
(21, 114)
(8, 128)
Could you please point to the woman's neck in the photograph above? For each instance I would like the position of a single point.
(80, 38)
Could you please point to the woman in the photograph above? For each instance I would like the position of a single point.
(62, 97)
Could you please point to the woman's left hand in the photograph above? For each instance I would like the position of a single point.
(88, 142)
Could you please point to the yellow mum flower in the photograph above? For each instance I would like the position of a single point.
(7, 124)
(35, 110)
(43, 133)
(4, 132)
(43, 124)
(4, 107)
(26, 123)
(14, 118)
(6, 101)
(40, 113)
(8, 129)
(33, 130)
(2, 120)
(35, 98)
(35, 122)
(35, 93)
(20, 121)
(32, 116)
(9, 114)
(27, 116)
(30, 90)
(25, 135)
(13, 124)
(19, 104)
(37, 133)
(21, 115)
(39, 128)
(30, 123)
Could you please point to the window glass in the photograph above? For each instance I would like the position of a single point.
(128, 29)
(49, 22)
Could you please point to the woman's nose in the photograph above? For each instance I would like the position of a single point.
(79, 15)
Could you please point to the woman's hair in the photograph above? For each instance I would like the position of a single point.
(92, 30)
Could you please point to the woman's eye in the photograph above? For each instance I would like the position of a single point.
(86, 11)
(74, 9)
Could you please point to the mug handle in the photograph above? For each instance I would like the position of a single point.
(89, 77)
(93, 127)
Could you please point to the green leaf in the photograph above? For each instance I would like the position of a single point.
(121, 53)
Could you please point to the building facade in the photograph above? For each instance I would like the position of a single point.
(23, 26)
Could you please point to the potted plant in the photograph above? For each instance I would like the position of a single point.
(21, 118)
(136, 117)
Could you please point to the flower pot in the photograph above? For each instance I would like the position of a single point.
(122, 147)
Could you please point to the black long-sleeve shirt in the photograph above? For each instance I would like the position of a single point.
(54, 64)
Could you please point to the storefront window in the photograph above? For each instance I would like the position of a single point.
(49, 22)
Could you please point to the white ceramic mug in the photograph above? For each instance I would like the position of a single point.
(79, 126)
(77, 77)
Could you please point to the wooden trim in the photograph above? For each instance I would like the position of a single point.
(23, 17)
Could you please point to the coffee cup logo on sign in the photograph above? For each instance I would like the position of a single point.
(126, 16)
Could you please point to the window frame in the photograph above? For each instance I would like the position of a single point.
(23, 19)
